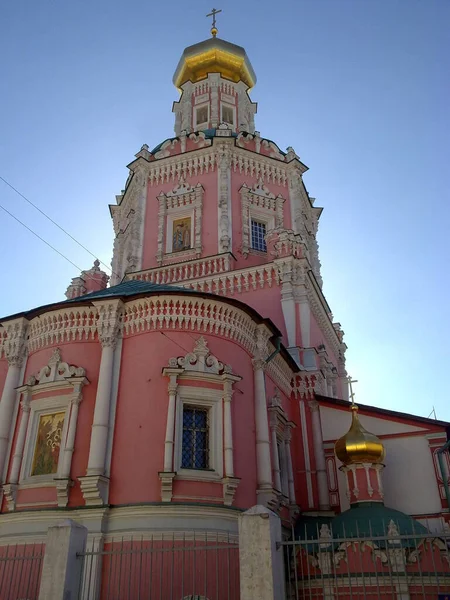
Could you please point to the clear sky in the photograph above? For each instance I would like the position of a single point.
(359, 88)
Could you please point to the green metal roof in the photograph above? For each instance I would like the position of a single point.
(209, 134)
(365, 520)
(130, 288)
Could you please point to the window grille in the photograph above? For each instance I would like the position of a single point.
(195, 447)
(258, 230)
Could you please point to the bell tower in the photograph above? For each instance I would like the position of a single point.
(214, 78)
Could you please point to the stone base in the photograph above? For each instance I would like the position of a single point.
(166, 485)
(230, 485)
(62, 491)
(95, 489)
(268, 497)
(10, 492)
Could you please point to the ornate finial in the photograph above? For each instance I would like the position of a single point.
(352, 395)
(213, 14)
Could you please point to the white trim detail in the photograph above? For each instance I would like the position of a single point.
(183, 201)
(200, 365)
(259, 204)
(57, 375)
(280, 429)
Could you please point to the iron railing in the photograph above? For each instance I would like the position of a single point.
(391, 566)
(179, 566)
(20, 571)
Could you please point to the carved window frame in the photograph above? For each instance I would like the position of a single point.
(68, 380)
(39, 408)
(212, 400)
(200, 379)
(279, 421)
(183, 201)
(259, 204)
(233, 109)
(196, 108)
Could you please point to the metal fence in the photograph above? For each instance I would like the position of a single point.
(391, 566)
(20, 571)
(183, 566)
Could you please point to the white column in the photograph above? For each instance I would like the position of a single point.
(15, 351)
(95, 484)
(263, 460)
(70, 440)
(20, 443)
(227, 429)
(100, 425)
(290, 470)
(170, 425)
(319, 453)
(275, 455)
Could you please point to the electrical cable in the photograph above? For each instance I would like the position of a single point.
(56, 224)
(42, 240)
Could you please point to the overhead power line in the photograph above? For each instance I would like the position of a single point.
(38, 236)
(54, 223)
(44, 241)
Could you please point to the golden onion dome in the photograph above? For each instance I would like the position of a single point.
(214, 56)
(359, 445)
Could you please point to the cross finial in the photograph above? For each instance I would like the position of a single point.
(213, 14)
(351, 395)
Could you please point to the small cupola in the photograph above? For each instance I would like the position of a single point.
(359, 445)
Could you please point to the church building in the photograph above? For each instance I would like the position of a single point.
(206, 374)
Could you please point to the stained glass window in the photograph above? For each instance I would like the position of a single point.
(258, 231)
(195, 448)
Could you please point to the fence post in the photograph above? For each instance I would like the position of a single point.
(61, 571)
(260, 562)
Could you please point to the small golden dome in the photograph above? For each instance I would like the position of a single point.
(214, 56)
(359, 445)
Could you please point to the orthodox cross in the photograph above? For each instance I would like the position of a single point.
(352, 394)
(213, 14)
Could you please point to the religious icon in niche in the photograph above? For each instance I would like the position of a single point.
(48, 443)
(181, 234)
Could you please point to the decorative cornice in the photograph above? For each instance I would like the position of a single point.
(56, 370)
(63, 325)
(192, 314)
(200, 360)
(108, 324)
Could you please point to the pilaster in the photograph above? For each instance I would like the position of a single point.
(95, 484)
(319, 454)
(15, 347)
(265, 492)
(224, 196)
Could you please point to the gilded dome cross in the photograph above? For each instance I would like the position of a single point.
(352, 394)
(213, 14)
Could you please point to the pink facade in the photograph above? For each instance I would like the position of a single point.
(210, 376)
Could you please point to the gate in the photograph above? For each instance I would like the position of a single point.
(393, 567)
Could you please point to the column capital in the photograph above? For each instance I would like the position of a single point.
(314, 405)
(15, 344)
(259, 364)
(108, 324)
(76, 398)
(25, 403)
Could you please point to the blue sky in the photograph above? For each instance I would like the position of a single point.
(359, 88)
